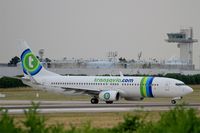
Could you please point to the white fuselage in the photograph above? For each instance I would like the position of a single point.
(129, 88)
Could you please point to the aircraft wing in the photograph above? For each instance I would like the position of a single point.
(83, 90)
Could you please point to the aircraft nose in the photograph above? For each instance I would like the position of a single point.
(188, 90)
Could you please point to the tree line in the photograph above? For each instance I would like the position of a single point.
(187, 79)
(6, 82)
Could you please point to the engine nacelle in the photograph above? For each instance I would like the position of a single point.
(109, 95)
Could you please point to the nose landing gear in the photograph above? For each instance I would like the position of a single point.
(173, 101)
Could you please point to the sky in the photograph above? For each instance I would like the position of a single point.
(91, 28)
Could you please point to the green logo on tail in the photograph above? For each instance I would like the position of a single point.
(30, 63)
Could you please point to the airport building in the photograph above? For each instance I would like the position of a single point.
(184, 40)
(112, 64)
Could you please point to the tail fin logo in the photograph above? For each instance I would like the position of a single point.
(30, 63)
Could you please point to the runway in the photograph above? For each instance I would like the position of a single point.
(18, 107)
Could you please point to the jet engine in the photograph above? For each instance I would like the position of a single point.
(109, 95)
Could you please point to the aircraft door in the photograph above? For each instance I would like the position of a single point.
(167, 86)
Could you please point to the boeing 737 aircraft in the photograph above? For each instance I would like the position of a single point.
(104, 88)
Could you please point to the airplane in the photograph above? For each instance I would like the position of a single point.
(101, 88)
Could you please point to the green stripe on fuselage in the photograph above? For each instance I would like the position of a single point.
(141, 87)
(144, 86)
(143, 90)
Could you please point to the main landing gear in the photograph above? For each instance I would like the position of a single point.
(94, 100)
(109, 102)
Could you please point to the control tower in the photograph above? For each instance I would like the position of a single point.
(185, 41)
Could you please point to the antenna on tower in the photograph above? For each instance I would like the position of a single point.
(139, 55)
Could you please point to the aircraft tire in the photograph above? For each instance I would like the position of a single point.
(109, 102)
(94, 100)
(173, 101)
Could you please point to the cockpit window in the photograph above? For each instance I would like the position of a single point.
(180, 84)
